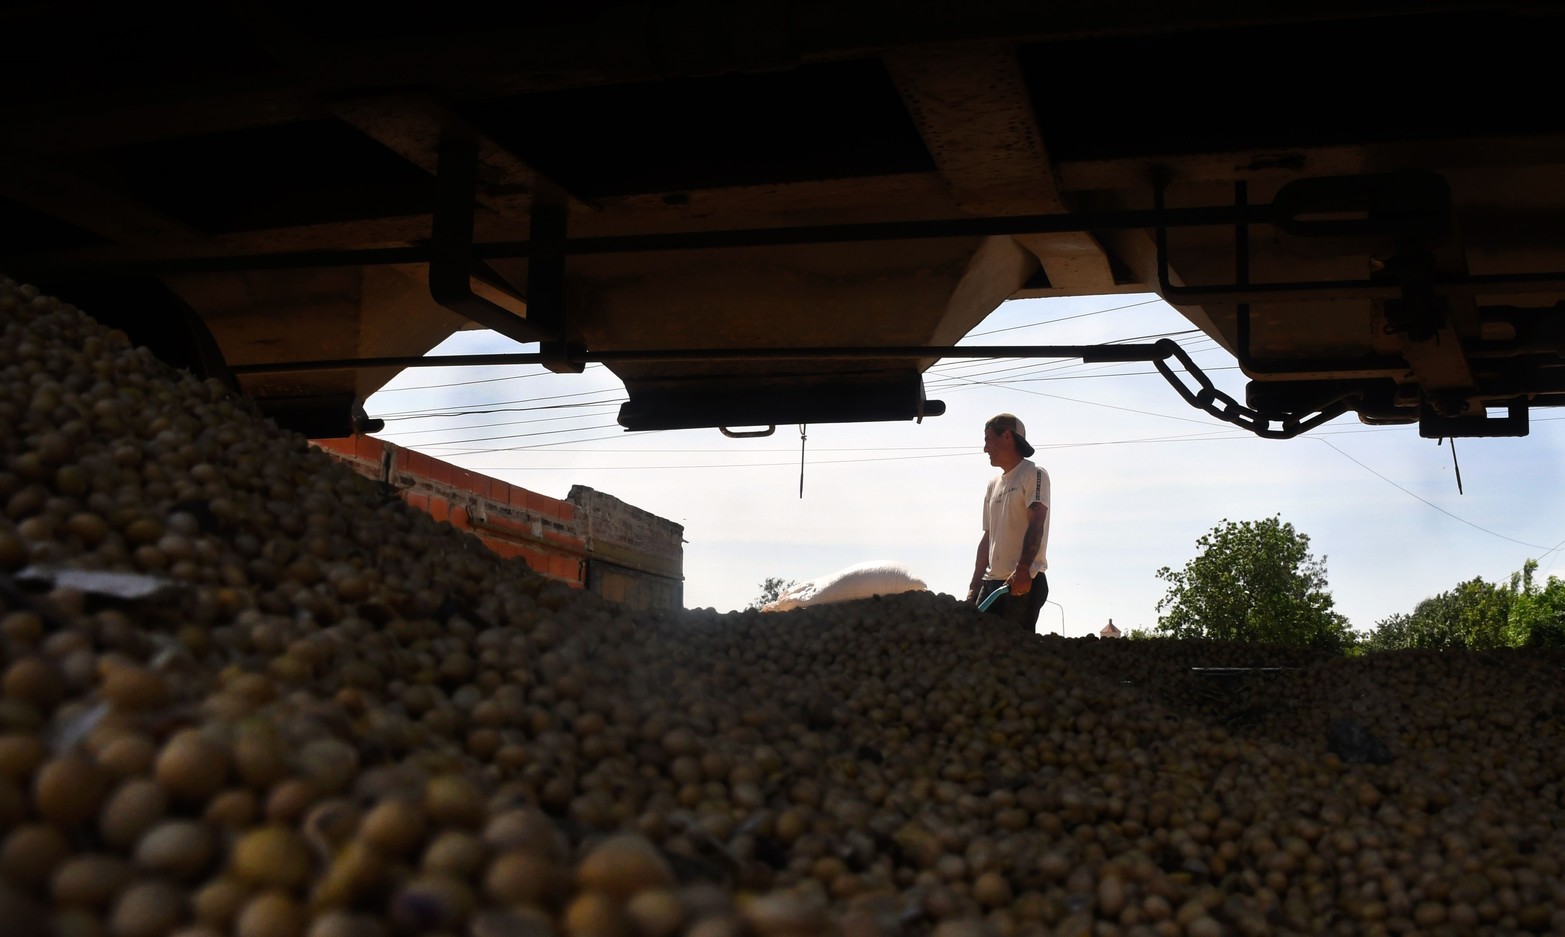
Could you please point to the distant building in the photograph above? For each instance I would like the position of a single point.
(1109, 631)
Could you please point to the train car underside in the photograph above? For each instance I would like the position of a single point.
(775, 213)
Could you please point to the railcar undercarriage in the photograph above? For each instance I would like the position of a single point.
(785, 212)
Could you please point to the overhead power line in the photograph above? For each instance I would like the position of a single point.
(541, 372)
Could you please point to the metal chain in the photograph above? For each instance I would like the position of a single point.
(1226, 408)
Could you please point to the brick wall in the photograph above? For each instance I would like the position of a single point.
(590, 541)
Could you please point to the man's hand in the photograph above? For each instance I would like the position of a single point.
(1020, 583)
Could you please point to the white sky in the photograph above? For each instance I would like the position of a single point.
(1138, 475)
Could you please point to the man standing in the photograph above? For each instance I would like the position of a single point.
(1014, 548)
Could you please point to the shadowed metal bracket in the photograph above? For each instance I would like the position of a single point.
(546, 277)
(457, 280)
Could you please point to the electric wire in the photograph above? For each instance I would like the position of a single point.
(460, 411)
(1215, 435)
(542, 372)
(954, 382)
(1437, 507)
(478, 426)
(455, 447)
(951, 375)
(1081, 315)
(447, 430)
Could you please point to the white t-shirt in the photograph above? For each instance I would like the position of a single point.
(1005, 518)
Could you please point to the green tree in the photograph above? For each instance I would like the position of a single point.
(1472, 616)
(1389, 634)
(1537, 617)
(1253, 581)
(1478, 615)
(771, 588)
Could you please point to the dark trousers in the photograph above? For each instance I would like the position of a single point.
(1022, 610)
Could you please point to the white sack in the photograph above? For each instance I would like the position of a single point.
(878, 577)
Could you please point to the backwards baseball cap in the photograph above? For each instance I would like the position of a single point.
(1009, 421)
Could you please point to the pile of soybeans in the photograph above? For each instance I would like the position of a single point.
(330, 715)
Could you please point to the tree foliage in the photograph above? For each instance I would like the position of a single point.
(1537, 616)
(1255, 582)
(1479, 615)
(771, 588)
(1472, 616)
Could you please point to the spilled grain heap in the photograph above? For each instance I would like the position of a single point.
(312, 710)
